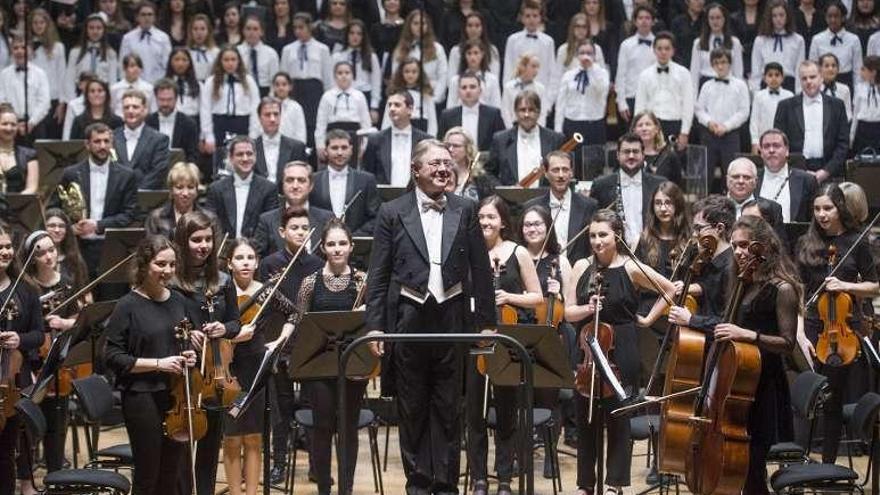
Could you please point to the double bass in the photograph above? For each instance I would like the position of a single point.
(718, 455)
(838, 344)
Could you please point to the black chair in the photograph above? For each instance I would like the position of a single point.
(831, 478)
(542, 421)
(808, 392)
(68, 481)
(95, 402)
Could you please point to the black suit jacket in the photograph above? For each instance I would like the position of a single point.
(400, 258)
(289, 150)
(488, 124)
(503, 162)
(604, 189)
(361, 215)
(262, 197)
(120, 200)
(150, 159)
(835, 130)
(581, 213)
(377, 156)
(184, 136)
(802, 189)
(266, 238)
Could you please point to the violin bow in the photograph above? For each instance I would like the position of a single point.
(91, 284)
(547, 234)
(660, 291)
(575, 238)
(18, 278)
(282, 277)
(341, 218)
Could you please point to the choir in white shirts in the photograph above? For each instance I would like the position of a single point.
(701, 66)
(725, 103)
(429, 116)
(668, 92)
(309, 60)
(153, 46)
(841, 92)
(764, 111)
(203, 60)
(490, 95)
(866, 116)
(513, 88)
(337, 105)
(106, 68)
(455, 60)
(843, 44)
(293, 120)
(574, 64)
(540, 45)
(436, 69)
(582, 99)
(636, 54)
(786, 49)
(55, 67)
(119, 88)
(367, 82)
(873, 44)
(186, 103)
(12, 91)
(267, 62)
(232, 101)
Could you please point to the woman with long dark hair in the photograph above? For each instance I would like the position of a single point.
(229, 82)
(97, 109)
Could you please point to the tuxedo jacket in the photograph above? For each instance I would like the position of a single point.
(503, 160)
(604, 189)
(262, 197)
(400, 259)
(581, 214)
(377, 156)
(150, 159)
(266, 238)
(835, 129)
(488, 124)
(184, 136)
(802, 189)
(120, 200)
(289, 150)
(361, 215)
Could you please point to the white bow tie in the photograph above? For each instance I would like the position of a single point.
(131, 135)
(630, 181)
(338, 175)
(556, 204)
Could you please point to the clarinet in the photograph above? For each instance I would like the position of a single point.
(619, 203)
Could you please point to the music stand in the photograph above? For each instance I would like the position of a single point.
(149, 200)
(25, 211)
(118, 243)
(546, 351)
(517, 195)
(320, 340)
(360, 256)
(176, 155)
(388, 193)
(53, 156)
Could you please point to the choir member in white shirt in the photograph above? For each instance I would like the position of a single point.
(411, 78)
(873, 44)
(12, 86)
(583, 96)
(93, 54)
(566, 54)
(149, 42)
(418, 35)
(77, 105)
(532, 40)
(722, 107)
(49, 54)
(715, 33)
(201, 46)
(778, 42)
(765, 101)
(634, 56)
(475, 29)
(132, 68)
(260, 59)
(309, 64)
(364, 63)
(229, 101)
(475, 61)
(342, 107)
(527, 68)
(293, 120)
(182, 72)
(866, 107)
(837, 40)
(666, 89)
(831, 84)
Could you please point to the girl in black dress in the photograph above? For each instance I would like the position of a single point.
(333, 288)
(142, 352)
(618, 305)
(19, 170)
(330, 28)
(70, 261)
(516, 285)
(834, 224)
(279, 31)
(229, 32)
(97, 109)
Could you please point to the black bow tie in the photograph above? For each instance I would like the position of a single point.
(777, 42)
(661, 70)
(145, 33)
(716, 43)
(835, 40)
(583, 80)
(774, 91)
(37, 44)
(831, 89)
(722, 80)
(643, 41)
(20, 68)
(532, 36)
(230, 79)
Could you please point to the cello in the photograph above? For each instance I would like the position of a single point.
(717, 458)
(220, 387)
(838, 344)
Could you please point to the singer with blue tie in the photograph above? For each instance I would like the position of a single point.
(93, 54)
(229, 101)
(837, 40)
(779, 42)
(342, 107)
(260, 59)
(151, 43)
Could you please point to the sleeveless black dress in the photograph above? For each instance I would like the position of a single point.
(510, 280)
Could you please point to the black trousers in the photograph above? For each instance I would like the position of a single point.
(323, 395)
(720, 151)
(55, 411)
(428, 396)
(157, 459)
(282, 412)
(617, 442)
(8, 447)
(670, 127)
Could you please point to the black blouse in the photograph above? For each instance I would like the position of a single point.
(714, 281)
(16, 177)
(28, 324)
(225, 305)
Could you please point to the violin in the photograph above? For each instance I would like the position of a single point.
(184, 422)
(10, 364)
(551, 312)
(248, 308)
(49, 301)
(51, 304)
(507, 314)
(717, 458)
(594, 331)
(838, 343)
(220, 387)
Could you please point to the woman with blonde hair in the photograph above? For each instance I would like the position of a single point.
(472, 180)
(658, 159)
(183, 192)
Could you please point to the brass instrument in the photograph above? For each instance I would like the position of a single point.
(567, 147)
(73, 202)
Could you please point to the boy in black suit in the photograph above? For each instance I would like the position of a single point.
(481, 121)
(179, 128)
(141, 148)
(274, 149)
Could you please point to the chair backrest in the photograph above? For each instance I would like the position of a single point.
(33, 418)
(865, 417)
(95, 397)
(808, 393)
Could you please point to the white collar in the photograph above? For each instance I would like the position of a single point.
(783, 172)
(404, 131)
(634, 179)
(472, 110)
(739, 204)
(528, 135)
(134, 133)
(101, 168)
(565, 201)
(171, 116)
(816, 99)
(337, 173)
(238, 181)
(276, 139)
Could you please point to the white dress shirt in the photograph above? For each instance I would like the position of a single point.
(631, 194)
(153, 49)
(813, 139)
(512, 89)
(528, 152)
(764, 110)
(12, 91)
(365, 81)
(494, 64)
(311, 62)
(845, 45)
(574, 63)
(98, 176)
(338, 180)
(739, 204)
(203, 60)
(106, 68)
(490, 90)
(669, 95)
(293, 120)
(582, 103)
(132, 136)
(401, 151)
(866, 106)
(724, 103)
(788, 50)
(119, 88)
(75, 107)
(271, 147)
(242, 190)
(54, 64)
(701, 66)
(240, 102)
(437, 69)
(166, 124)
(873, 44)
(841, 92)
(777, 183)
(186, 103)
(542, 46)
(470, 120)
(562, 217)
(267, 62)
(339, 105)
(634, 56)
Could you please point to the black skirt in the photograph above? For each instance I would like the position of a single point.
(244, 367)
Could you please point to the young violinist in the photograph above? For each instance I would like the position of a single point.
(623, 277)
(516, 285)
(834, 226)
(70, 261)
(143, 353)
(334, 287)
(197, 276)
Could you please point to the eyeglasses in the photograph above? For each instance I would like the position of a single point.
(663, 202)
(533, 225)
(440, 163)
